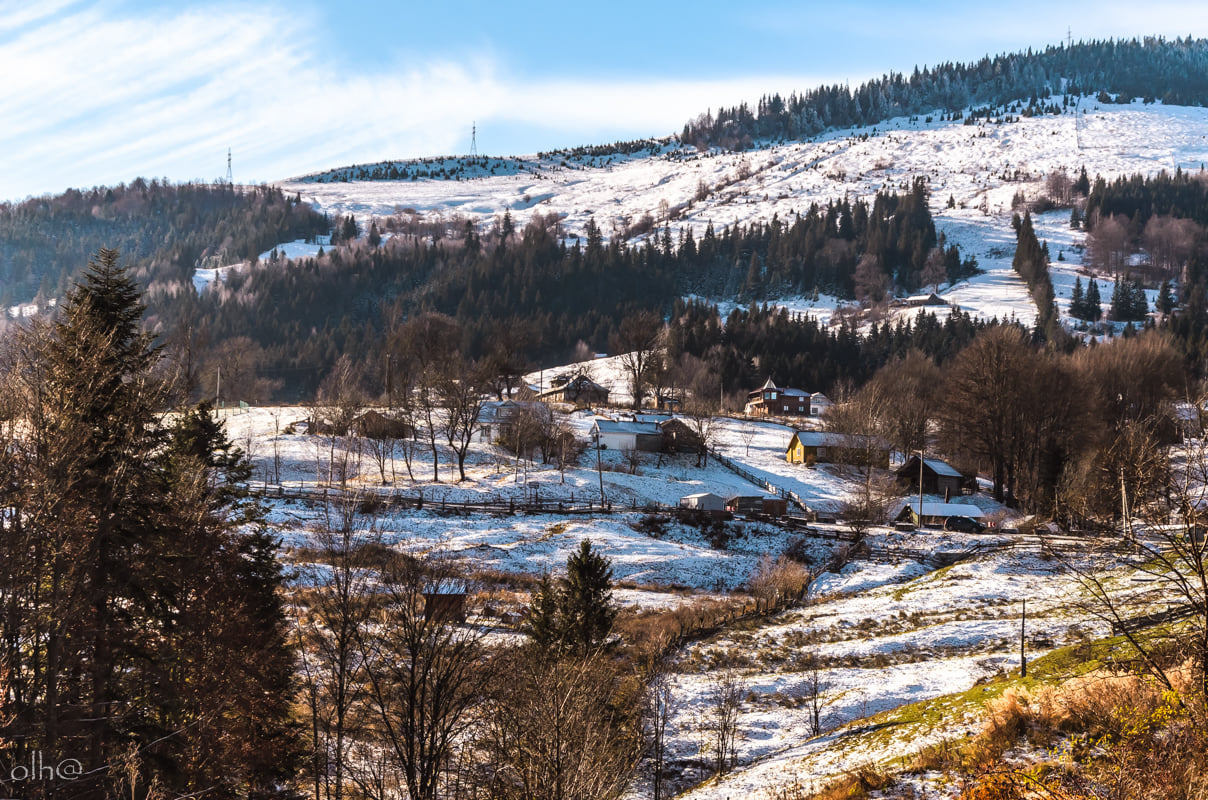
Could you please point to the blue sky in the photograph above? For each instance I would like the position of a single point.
(102, 92)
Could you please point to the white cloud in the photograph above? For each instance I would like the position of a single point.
(93, 98)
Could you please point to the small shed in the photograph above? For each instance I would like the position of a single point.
(703, 501)
(445, 604)
(939, 513)
(939, 478)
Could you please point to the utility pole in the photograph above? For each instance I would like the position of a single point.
(1023, 658)
(599, 465)
(920, 488)
(218, 391)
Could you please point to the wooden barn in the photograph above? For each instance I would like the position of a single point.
(939, 478)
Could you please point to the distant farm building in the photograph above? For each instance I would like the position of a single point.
(375, 425)
(938, 514)
(704, 501)
(680, 437)
(939, 478)
(445, 603)
(825, 447)
(579, 390)
(819, 404)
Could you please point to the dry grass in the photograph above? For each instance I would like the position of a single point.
(1105, 735)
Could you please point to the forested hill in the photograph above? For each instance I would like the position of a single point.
(1172, 71)
(162, 230)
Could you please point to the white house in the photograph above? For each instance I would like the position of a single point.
(612, 435)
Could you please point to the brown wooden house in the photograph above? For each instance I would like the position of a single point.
(771, 400)
(579, 391)
(679, 437)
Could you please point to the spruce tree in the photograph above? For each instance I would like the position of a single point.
(587, 607)
(574, 615)
(156, 625)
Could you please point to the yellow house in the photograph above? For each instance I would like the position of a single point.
(824, 447)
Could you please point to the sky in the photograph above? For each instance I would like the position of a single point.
(98, 93)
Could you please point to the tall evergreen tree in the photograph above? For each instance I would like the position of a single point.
(1094, 305)
(154, 633)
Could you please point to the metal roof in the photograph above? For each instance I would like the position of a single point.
(947, 510)
(942, 468)
(831, 439)
(609, 426)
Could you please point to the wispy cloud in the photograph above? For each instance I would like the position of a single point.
(97, 97)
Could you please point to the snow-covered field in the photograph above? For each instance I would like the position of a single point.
(885, 633)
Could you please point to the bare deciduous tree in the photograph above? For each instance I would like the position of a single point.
(426, 673)
(725, 701)
(561, 729)
(638, 344)
(329, 633)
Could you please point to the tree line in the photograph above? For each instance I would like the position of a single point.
(163, 229)
(1151, 68)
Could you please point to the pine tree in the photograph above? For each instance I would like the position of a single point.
(1078, 309)
(1094, 305)
(1165, 303)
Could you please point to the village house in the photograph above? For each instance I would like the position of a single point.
(758, 504)
(680, 437)
(497, 419)
(644, 436)
(771, 400)
(826, 447)
(954, 516)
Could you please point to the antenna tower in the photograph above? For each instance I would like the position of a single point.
(474, 139)
(1069, 36)
(230, 180)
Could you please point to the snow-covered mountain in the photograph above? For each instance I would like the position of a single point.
(979, 167)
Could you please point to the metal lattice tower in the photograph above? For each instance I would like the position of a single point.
(230, 180)
(474, 139)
